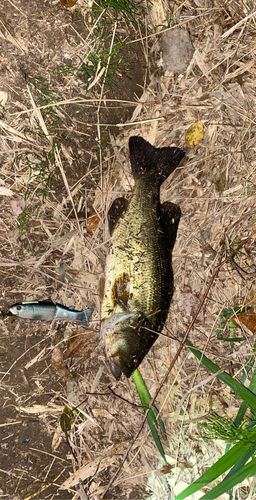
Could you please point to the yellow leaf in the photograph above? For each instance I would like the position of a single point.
(93, 221)
(68, 3)
(194, 134)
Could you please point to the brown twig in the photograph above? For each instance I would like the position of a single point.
(215, 272)
(114, 395)
(234, 265)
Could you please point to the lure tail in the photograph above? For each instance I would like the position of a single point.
(85, 317)
(80, 317)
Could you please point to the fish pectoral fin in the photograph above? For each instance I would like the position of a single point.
(120, 291)
(101, 286)
(71, 308)
(117, 209)
(171, 214)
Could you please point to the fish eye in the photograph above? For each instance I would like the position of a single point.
(19, 308)
(135, 360)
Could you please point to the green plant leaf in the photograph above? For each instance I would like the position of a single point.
(221, 466)
(229, 482)
(66, 419)
(241, 462)
(68, 416)
(252, 386)
(240, 390)
(153, 417)
(238, 455)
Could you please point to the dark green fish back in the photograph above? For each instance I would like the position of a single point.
(144, 249)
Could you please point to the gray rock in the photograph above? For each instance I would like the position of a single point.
(177, 50)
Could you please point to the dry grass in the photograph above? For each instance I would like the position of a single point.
(215, 189)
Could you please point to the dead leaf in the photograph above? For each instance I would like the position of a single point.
(248, 319)
(17, 206)
(194, 134)
(105, 460)
(68, 3)
(101, 412)
(57, 438)
(93, 221)
(58, 364)
(5, 191)
(3, 98)
(33, 410)
(81, 344)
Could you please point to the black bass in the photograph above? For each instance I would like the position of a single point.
(46, 310)
(138, 284)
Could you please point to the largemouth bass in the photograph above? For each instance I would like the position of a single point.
(46, 310)
(138, 284)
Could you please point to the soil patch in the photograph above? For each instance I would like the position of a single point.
(40, 42)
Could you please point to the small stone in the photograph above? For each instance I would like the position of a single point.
(177, 50)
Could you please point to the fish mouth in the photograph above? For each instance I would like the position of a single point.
(114, 368)
(118, 333)
(13, 311)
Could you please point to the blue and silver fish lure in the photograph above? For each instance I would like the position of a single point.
(47, 311)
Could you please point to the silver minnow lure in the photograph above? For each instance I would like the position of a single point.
(47, 311)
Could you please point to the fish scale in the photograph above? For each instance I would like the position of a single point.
(149, 266)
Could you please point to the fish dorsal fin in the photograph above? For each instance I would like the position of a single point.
(146, 159)
(117, 209)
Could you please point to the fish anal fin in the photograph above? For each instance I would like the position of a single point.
(171, 214)
(117, 209)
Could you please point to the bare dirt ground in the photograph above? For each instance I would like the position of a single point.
(59, 161)
(37, 38)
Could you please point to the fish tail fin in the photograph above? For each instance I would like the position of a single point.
(146, 159)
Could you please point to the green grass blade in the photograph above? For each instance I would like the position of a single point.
(238, 455)
(228, 483)
(247, 368)
(242, 461)
(252, 386)
(240, 390)
(222, 465)
(153, 418)
(156, 437)
(240, 414)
